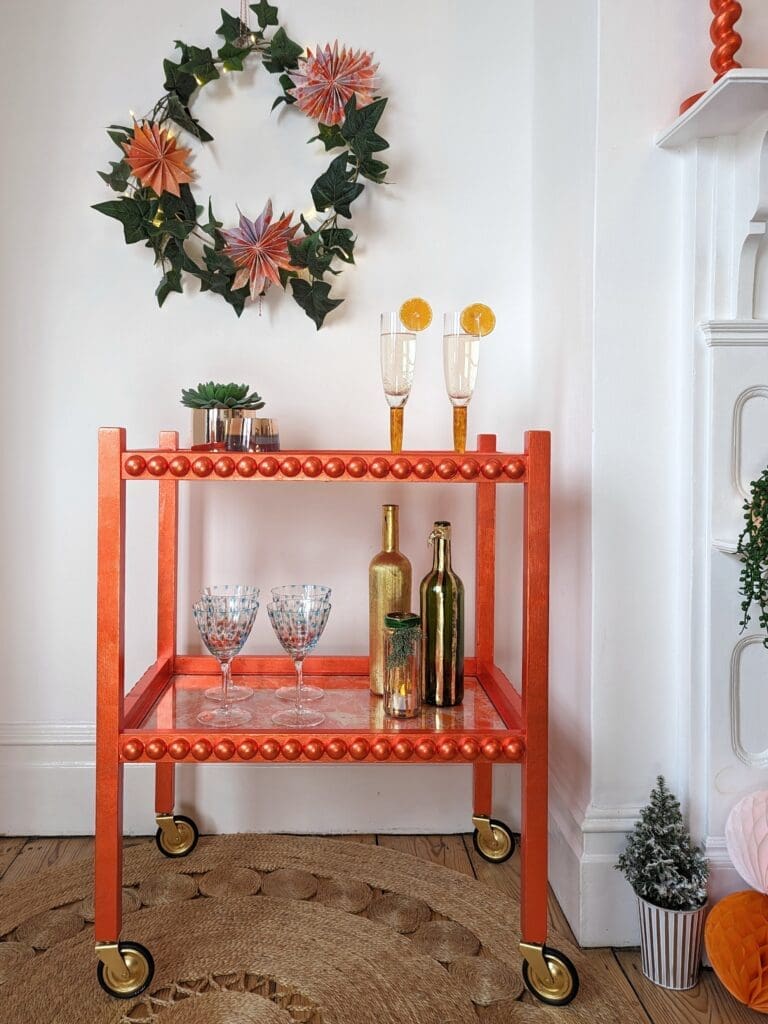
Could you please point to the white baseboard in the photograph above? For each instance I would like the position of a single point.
(584, 845)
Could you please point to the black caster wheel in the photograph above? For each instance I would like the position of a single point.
(179, 841)
(139, 969)
(494, 842)
(560, 987)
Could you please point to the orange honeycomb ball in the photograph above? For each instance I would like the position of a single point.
(736, 937)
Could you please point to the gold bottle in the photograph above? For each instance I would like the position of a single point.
(389, 590)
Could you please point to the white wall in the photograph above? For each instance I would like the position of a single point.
(84, 341)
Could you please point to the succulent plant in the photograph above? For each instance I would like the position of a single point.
(221, 396)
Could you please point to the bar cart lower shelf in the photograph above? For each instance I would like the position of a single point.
(157, 720)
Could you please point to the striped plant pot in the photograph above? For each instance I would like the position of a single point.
(670, 943)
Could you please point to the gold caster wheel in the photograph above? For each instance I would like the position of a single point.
(176, 836)
(125, 968)
(492, 839)
(550, 976)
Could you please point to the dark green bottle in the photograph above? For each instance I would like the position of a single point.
(442, 621)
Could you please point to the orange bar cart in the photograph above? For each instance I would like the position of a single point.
(156, 720)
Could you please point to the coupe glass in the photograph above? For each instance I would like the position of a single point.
(235, 691)
(298, 625)
(461, 352)
(301, 592)
(225, 622)
(398, 360)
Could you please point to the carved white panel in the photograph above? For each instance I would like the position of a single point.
(749, 709)
(748, 437)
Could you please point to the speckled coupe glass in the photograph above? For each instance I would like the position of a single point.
(225, 623)
(298, 625)
(235, 691)
(301, 592)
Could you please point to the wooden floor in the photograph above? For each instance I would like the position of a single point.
(708, 1003)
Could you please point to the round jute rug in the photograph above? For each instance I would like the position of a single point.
(281, 930)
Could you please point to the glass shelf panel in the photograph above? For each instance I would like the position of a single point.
(348, 706)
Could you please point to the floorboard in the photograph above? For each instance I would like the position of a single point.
(9, 850)
(707, 1003)
(41, 854)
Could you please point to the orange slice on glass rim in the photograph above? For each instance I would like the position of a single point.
(416, 314)
(477, 319)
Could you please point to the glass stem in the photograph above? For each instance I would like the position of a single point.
(396, 429)
(299, 663)
(459, 428)
(226, 678)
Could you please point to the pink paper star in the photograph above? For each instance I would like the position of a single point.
(258, 248)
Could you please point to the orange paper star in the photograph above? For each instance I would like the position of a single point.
(156, 160)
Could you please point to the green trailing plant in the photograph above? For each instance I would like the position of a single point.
(660, 861)
(753, 548)
(403, 646)
(221, 396)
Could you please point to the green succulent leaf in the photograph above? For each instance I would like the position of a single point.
(181, 116)
(314, 299)
(336, 188)
(282, 54)
(359, 127)
(221, 396)
(265, 12)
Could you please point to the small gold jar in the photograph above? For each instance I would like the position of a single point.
(402, 664)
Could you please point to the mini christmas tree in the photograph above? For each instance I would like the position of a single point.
(660, 862)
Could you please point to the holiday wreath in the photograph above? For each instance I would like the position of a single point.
(335, 87)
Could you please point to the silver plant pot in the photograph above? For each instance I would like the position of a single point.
(670, 944)
(234, 430)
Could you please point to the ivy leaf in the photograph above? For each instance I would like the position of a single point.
(199, 63)
(215, 260)
(314, 299)
(231, 28)
(282, 54)
(181, 115)
(169, 282)
(359, 127)
(287, 83)
(285, 276)
(330, 136)
(117, 178)
(233, 56)
(178, 81)
(265, 12)
(335, 189)
(119, 134)
(131, 213)
(213, 225)
(310, 253)
(373, 170)
(341, 241)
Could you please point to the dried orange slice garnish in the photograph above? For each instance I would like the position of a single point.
(416, 314)
(477, 319)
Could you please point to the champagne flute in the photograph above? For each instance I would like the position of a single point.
(461, 353)
(398, 359)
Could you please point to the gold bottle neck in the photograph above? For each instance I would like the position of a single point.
(390, 528)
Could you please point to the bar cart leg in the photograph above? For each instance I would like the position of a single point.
(549, 975)
(492, 839)
(124, 968)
